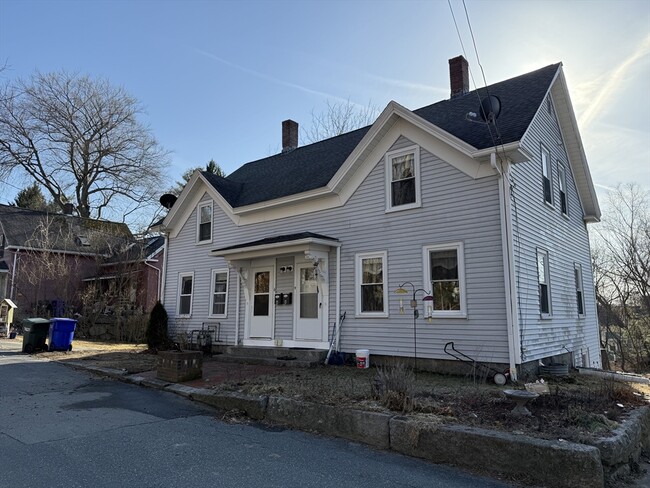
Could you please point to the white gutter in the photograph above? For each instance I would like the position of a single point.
(164, 268)
(508, 268)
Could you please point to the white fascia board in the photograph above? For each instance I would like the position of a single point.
(189, 199)
(572, 141)
(574, 148)
(514, 152)
(395, 120)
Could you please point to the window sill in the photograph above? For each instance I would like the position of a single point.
(378, 315)
(201, 243)
(549, 205)
(545, 316)
(399, 208)
(449, 315)
(218, 316)
(566, 217)
(183, 316)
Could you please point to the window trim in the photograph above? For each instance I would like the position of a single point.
(178, 297)
(459, 247)
(198, 222)
(388, 167)
(579, 287)
(561, 180)
(547, 166)
(214, 272)
(358, 276)
(547, 278)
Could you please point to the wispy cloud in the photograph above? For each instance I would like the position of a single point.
(409, 85)
(277, 81)
(615, 78)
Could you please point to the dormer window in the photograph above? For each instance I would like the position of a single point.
(403, 179)
(204, 217)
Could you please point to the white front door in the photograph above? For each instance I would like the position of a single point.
(309, 323)
(262, 304)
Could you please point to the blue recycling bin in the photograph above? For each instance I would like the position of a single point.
(61, 334)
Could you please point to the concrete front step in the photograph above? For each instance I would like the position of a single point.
(268, 361)
(309, 355)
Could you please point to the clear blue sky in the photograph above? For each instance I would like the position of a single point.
(218, 77)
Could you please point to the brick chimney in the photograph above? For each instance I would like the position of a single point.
(289, 135)
(458, 76)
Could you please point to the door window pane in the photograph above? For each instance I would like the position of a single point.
(308, 293)
(261, 305)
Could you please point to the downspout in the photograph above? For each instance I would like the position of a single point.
(337, 324)
(13, 276)
(237, 310)
(164, 268)
(157, 279)
(508, 267)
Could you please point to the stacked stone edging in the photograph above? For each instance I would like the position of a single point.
(622, 451)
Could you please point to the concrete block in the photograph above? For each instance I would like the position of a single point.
(368, 427)
(536, 461)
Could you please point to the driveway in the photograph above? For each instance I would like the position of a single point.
(65, 428)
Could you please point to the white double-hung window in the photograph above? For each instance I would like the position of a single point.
(547, 180)
(372, 290)
(444, 273)
(544, 283)
(219, 293)
(403, 179)
(204, 223)
(185, 288)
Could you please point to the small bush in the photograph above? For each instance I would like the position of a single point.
(394, 387)
(157, 328)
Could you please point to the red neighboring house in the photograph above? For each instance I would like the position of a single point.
(46, 260)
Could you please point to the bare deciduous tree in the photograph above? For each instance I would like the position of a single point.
(339, 118)
(79, 138)
(621, 259)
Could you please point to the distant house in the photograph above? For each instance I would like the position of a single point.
(137, 272)
(45, 257)
(484, 213)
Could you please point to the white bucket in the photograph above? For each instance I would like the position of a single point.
(363, 358)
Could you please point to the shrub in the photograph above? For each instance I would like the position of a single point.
(156, 334)
(394, 387)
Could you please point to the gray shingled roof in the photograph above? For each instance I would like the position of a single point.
(309, 167)
(23, 228)
(138, 251)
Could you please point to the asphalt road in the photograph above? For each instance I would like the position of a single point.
(65, 428)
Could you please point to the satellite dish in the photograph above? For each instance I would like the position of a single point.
(490, 108)
(168, 200)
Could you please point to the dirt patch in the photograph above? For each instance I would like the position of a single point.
(577, 408)
(132, 358)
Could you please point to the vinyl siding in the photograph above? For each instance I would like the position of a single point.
(540, 226)
(454, 208)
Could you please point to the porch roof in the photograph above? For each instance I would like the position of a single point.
(282, 244)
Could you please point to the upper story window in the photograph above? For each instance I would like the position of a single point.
(543, 280)
(562, 184)
(546, 176)
(580, 297)
(204, 222)
(372, 291)
(445, 273)
(185, 287)
(219, 293)
(403, 179)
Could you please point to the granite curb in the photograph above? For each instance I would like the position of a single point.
(523, 458)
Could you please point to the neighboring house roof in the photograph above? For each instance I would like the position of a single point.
(32, 229)
(140, 250)
(323, 169)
